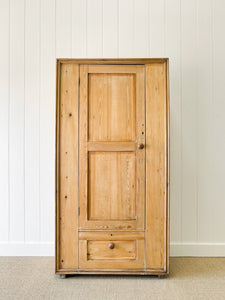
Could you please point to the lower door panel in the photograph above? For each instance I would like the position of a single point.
(111, 250)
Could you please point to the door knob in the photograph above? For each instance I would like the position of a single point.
(111, 245)
(140, 146)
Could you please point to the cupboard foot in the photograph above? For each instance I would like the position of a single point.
(161, 276)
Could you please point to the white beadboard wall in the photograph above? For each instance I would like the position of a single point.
(34, 33)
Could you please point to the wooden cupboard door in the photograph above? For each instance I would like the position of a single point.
(111, 152)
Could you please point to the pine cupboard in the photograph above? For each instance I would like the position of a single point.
(112, 166)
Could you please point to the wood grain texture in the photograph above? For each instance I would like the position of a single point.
(111, 106)
(112, 186)
(109, 236)
(115, 146)
(156, 166)
(67, 168)
(83, 154)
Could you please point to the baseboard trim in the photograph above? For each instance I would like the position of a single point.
(27, 249)
(197, 249)
(176, 249)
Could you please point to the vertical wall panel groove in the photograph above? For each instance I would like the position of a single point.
(190, 33)
(212, 97)
(47, 119)
(32, 118)
(16, 115)
(218, 171)
(110, 28)
(4, 119)
(156, 27)
(140, 28)
(189, 121)
(172, 45)
(180, 142)
(63, 29)
(78, 29)
(94, 28)
(100, 29)
(39, 126)
(204, 125)
(126, 34)
(148, 26)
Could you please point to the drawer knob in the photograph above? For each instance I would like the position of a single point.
(111, 245)
(140, 146)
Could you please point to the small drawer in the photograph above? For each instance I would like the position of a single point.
(112, 250)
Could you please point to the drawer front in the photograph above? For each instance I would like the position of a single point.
(111, 250)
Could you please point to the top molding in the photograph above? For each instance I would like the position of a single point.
(130, 61)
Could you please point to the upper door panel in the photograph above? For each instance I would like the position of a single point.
(112, 107)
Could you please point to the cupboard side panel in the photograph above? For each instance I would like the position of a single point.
(67, 167)
(156, 166)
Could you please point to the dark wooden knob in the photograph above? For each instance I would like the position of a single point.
(111, 245)
(140, 146)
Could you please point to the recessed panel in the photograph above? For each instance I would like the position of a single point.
(111, 107)
(111, 186)
(111, 250)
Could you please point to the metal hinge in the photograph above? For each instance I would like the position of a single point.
(78, 210)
